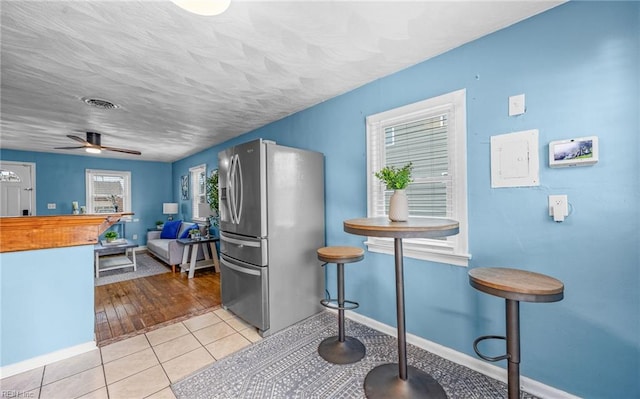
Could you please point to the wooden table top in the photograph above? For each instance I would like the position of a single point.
(516, 284)
(412, 228)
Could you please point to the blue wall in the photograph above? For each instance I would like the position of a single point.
(578, 65)
(60, 179)
(46, 301)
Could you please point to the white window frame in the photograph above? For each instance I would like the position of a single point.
(197, 197)
(453, 250)
(126, 195)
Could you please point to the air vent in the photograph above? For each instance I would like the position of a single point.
(98, 103)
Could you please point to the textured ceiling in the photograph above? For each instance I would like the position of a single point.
(185, 82)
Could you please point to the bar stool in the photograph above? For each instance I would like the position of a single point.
(514, 286)
(341, 349)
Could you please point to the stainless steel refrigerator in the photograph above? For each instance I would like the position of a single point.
(271, 224)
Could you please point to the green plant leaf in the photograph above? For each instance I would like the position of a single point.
(395, 178)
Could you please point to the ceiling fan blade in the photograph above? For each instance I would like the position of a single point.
(76, 138)
(133, 152)
(67, 148)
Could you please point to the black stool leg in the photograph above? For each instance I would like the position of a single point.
(341, 302)
(341, 349)
(513, 348)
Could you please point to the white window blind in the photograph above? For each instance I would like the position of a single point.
(431, 135)
(108, 191)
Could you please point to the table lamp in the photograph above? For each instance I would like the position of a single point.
(205, 211)
(170, 208)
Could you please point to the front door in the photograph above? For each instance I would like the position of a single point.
(17, 191)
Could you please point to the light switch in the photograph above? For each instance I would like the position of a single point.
(516, 105)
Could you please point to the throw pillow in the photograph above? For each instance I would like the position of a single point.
(170, 229)
(185, 233)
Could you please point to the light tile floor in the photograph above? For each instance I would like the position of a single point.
(139, 367)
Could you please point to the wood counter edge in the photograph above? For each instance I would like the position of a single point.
(26, 233)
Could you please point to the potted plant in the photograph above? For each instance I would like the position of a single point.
(212, 195)
(397, 179)
(159, 224)
(110, 235)
(194, 233)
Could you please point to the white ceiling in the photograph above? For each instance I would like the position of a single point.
(184, 82)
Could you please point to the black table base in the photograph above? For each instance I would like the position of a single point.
(383, 382)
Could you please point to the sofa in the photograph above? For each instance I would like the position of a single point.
(163, 243)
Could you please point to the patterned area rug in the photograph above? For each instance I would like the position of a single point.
(145, 265)
(287, 365)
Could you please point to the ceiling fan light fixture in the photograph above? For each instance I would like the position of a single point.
(93, 150)
(203, 7)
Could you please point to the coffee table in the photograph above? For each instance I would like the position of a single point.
(104, 262)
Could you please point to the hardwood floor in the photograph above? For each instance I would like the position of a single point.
(131, 307)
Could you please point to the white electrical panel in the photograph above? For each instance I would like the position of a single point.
(515, 159)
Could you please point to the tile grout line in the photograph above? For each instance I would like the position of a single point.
(104, 373)
(159, 362)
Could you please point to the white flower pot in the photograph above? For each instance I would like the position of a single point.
(399, 206)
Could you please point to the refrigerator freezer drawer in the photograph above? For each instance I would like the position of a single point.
(247, 249)
(245, 291)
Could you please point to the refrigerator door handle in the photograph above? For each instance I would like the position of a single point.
(240, 269)
(230, 189)
(241, 243)
(235, 189)
(238, 199)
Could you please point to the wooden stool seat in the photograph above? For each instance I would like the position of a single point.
(340, 254)
(518, 285)
(341, 349)
(514, 286)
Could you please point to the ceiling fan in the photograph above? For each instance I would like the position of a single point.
(92, 145)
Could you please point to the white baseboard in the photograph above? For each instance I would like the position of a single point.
(43, 360)
(527, 384)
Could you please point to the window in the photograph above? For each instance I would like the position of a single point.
(198, 188)
(432, 135)
(9, 176)
(108, 191)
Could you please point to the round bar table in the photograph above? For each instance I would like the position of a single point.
(399, 380)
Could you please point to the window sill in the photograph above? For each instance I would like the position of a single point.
(415, 252)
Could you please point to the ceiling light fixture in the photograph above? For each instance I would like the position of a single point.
(93, 150)
(203, 7)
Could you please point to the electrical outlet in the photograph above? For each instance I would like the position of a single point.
(51, 205)
(135, 237)
(558, 207)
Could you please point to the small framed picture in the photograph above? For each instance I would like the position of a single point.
(184, 185)
(581, 151)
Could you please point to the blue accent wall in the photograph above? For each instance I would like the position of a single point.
(578, 65)
(46, 301)
(60, 179)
